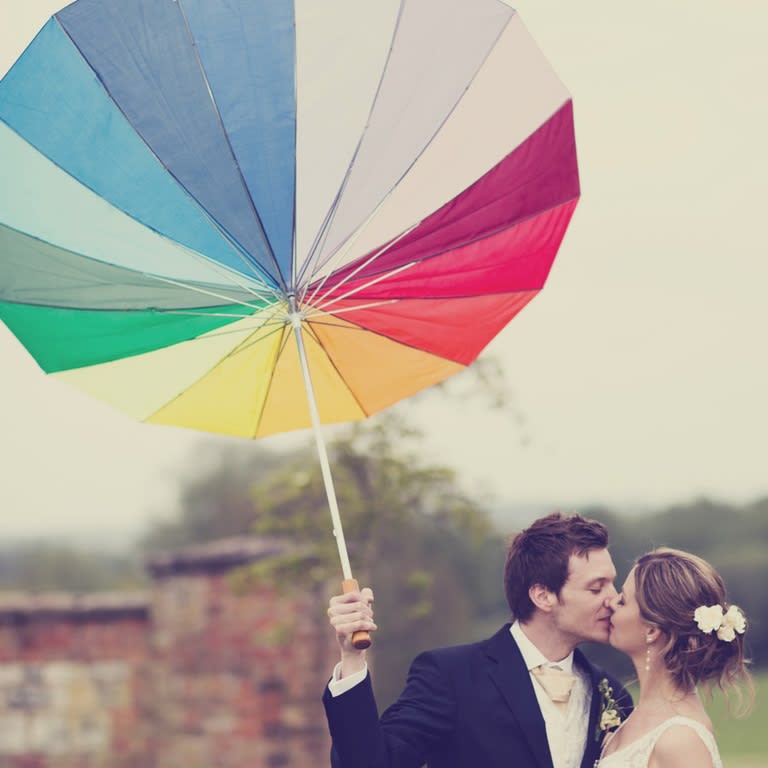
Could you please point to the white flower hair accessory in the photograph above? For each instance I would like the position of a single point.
(710, 618)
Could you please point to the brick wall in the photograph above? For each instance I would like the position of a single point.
(189, 675)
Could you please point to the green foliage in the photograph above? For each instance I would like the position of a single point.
(412, 535)
(215, 501)
(732, 538)
(44, 566)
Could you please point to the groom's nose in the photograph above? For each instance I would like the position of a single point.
(611, 596)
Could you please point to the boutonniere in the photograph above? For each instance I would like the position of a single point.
(609, 716)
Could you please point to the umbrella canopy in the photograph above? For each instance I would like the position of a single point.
(187, 184)
(175, 172)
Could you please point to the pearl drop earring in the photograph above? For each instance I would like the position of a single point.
(648, 659)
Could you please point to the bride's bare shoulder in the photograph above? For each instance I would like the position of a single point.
(681, 746)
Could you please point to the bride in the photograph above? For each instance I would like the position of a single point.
(673, 620)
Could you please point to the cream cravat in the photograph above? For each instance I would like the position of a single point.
(556, 683)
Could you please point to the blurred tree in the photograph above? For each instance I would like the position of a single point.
(733, 539)
(215, 502)
(412, 534)
(43, 566)
(427, 548)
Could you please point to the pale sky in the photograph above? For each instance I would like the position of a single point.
(640, 370)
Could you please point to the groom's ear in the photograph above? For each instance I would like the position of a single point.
(542, 598)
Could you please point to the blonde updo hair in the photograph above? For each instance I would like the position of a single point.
(670, 586)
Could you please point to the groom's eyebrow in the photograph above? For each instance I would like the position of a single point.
(609, 577)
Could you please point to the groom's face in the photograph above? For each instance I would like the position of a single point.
(583, 611)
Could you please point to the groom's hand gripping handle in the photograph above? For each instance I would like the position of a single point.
(360, 639)
(351, 613)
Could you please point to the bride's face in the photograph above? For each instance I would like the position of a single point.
(627, 629)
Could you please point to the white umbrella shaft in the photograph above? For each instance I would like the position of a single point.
(330, 491)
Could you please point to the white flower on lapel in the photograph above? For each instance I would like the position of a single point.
(610, 716)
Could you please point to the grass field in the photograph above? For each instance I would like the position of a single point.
(743, 742)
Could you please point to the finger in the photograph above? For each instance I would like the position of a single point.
(349, 602)
(348, 597)
(364, 596)
(344, 627)
(352, 610)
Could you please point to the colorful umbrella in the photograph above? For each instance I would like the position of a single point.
(209, 206)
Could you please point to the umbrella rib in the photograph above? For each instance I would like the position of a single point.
(436, 132)
(351, 325)
(330, 359)
(488, 203)
(294, 233)
(232, 352)
(364, 264)
(192, 285)
(220, 120)
(241, 252)
(487, 234)
(212, 294)
(244, 346)
(265, 323)
(283, 343)
(362, 287)
(483, 236)
(192, 313)
(209, 262)
(232, 331)
(314, 312)
(232, 277)
(346, 245)
(361, 329)
(322, 234)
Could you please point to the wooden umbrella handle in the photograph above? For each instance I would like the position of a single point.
(360, 639)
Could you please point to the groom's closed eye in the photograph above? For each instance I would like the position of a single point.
(596, 587)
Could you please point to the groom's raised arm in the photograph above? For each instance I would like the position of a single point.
(410, 730)
(407, 734)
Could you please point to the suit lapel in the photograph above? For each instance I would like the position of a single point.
(511, 677)
(592, 749)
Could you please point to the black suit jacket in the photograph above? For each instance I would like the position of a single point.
(462, 707)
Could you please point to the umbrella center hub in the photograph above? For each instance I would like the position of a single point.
(295, 318)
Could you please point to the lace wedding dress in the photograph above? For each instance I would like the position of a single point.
(637, 753)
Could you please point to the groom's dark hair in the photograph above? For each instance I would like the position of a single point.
(540, 554)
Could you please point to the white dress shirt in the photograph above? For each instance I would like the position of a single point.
(338, 685)
(566, 734)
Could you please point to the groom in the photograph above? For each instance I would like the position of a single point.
(524, 698)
